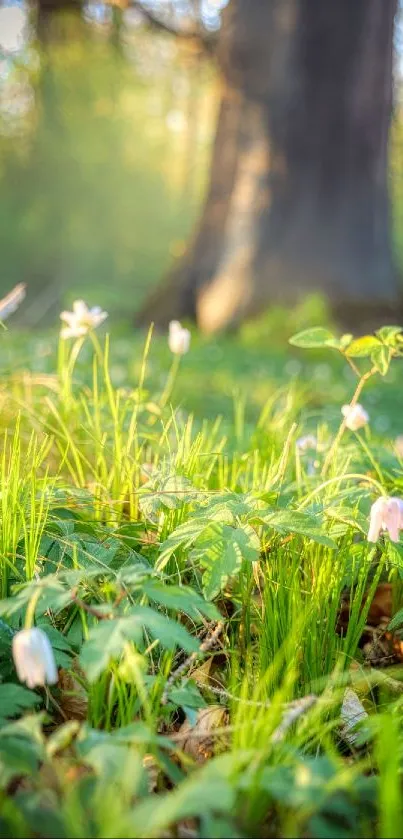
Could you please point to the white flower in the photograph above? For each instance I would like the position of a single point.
(81, 320)
(12, 300)
(352, 712)
(33, 658)
(386, 514)
(355, 416)
(303, 444)
(178, 338)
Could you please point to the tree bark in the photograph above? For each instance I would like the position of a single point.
(298, 195)
(51, 17)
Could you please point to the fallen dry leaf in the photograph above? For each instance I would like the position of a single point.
(200, 741)
(73, 698)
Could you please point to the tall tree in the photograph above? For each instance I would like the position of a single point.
(298, 193)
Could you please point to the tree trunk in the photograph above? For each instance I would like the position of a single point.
(298, 197)
(51, 18)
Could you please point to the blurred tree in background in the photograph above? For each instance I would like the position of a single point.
(106, 119)
(105, 131)
(298, 197)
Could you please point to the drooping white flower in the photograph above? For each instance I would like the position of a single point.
(355, 416)
(306, 443)
(12, 300)
(386, 514)
(178, 338)
(81, 320)
(352, 714)
(33, 658)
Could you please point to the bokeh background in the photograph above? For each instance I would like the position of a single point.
(106, 130)
(104, 151)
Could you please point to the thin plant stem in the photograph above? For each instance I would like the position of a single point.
(357, 393)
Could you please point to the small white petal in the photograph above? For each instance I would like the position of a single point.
(81, 319)
(178, 338)
(305, 443)
(386, 514)
(352, 713)
(73, 331)
(68, 317)
(80, 309)
(355, 416)
(376, 518)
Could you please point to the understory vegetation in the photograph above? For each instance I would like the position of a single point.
(227, 639)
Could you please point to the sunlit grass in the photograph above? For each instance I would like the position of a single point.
(136, 524)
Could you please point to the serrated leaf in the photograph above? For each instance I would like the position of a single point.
(181, 598)
(314, 338)
(221, 550)
(290, 521)
(381, 357)
(108, 639)
(182, 537)
(388, 334)
(14, 699)
(166, 493)
(362, 347)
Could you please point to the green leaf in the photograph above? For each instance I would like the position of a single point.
(166, 493)
(180, 598)
(62, 737)
(289, 521)
(221, 550)
(195, 796)
(18, 757)
(345, 340)
(389, 334)
(187, 696)
(108, 639)
(313, 338)
(396, 621)
(14, 699)
(381, 357)
(182, 537)
(363, 347)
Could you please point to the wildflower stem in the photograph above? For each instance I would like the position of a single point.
(170, 380)
(357, 393)
(30, 613)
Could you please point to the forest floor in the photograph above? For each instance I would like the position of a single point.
(191, 534)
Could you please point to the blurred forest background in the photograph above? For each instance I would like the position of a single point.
(106, 129)
(105, 135)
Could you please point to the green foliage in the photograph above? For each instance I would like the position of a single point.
(189, 575)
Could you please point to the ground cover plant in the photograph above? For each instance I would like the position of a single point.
(200, 615)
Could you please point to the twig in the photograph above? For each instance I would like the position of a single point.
(91, 610)
(207, 39)
(299, 708)
(207, 644)
(296, 710)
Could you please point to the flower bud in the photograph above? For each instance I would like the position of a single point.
(33, 658)
(355, 416)
(386, 514)
(178, 338)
